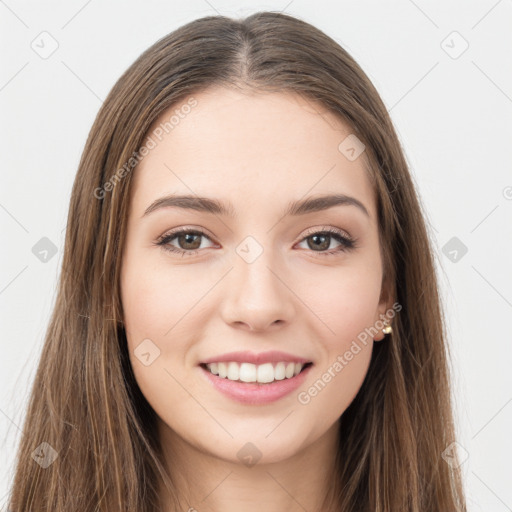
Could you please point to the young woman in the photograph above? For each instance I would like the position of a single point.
(248, 312)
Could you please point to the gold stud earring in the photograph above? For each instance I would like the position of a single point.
(387, 330)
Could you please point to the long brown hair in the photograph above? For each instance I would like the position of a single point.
(85, 403)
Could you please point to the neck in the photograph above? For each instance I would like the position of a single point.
(206, 483)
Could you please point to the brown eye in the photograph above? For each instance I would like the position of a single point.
(320, 241)
(188, 241)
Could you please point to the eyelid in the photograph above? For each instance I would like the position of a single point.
(328, 229)
(308, 232)
(186, 229)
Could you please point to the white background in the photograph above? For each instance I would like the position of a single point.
(453, 116)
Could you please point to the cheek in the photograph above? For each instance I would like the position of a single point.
(332, 389)
(157, 298)
(155, 306)
(161, 308)
(346, 302)
(347, 306)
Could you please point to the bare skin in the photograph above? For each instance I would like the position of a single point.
(258, 152)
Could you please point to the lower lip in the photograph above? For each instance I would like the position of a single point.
(254, 393)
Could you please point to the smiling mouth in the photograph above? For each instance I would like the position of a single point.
(266, 373)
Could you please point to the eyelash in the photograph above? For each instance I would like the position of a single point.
(347, 243)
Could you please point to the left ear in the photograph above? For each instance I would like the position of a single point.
(385, 304)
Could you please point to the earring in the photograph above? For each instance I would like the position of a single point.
(387, 330)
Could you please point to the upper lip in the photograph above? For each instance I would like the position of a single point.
(273, 356)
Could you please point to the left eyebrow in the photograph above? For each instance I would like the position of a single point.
(214, 206)
(317, 204)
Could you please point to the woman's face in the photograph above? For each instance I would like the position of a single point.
(253, 284)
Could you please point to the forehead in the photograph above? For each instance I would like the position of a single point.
(249, 148)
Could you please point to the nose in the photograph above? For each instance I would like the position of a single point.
(256, 295)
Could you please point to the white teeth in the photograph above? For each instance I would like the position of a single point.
(233, 371)
(223, 370)
(265, 373)
(279, 371)
(248, 372)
